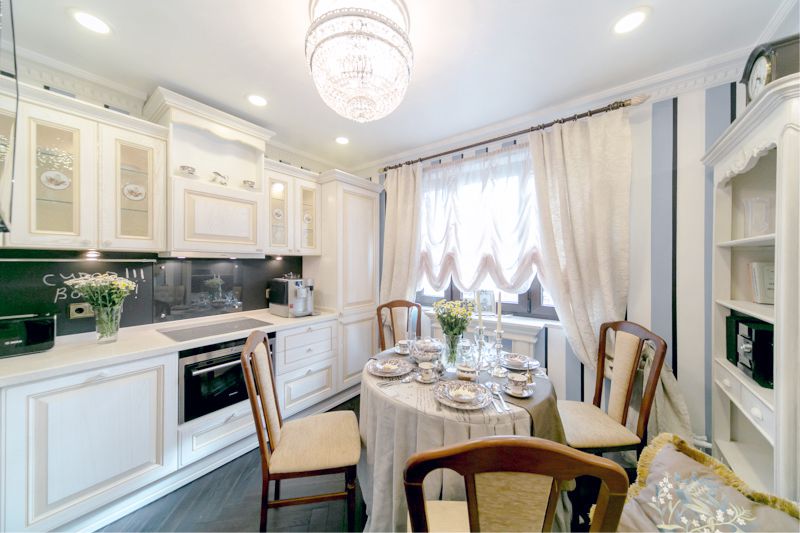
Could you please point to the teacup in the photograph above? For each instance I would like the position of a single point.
(403, 346)
(427, 371)
(517, 383)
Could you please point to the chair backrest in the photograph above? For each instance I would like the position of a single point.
(393, 307)
(629, 342)
(513, 483)
(260, 381)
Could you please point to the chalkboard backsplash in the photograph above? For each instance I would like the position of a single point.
(168, 289)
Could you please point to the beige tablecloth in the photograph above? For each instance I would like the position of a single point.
(398, 421)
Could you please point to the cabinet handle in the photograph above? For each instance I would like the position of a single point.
(97, 377)
(309, 350)
(310, 329)
(107, 244)
(85, 242)
(756, 413)
(727, 383)
(233, 415)
(308, 372)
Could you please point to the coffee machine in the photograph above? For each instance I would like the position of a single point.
(291, 296)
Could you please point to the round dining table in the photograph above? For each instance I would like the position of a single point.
(401, 419)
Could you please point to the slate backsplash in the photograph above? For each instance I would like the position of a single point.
(168, 289)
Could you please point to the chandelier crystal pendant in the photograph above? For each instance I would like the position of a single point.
(359, 55)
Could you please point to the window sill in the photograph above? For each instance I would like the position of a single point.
(511, 323)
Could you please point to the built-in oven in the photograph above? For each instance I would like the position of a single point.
(210, 378)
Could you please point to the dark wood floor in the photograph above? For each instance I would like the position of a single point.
(228, 499)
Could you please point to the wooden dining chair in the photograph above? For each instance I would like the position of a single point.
(512, 484)
(586, 425)
(316, 445)
(392, 307)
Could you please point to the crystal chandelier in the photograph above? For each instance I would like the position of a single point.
(359, 55)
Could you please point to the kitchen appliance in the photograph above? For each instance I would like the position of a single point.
(291, 296)
(210, 378)
(754, 347)
(24, 334)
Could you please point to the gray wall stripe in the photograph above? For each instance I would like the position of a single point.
(720, 101)
(661, 222)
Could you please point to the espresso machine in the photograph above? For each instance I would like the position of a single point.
(291, 296)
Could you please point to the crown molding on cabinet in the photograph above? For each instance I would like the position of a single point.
(297, 172)
(352, 179)
(768, 34)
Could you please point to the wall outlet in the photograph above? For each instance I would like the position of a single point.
(80, 310)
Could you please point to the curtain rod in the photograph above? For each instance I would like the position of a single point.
(619, 104)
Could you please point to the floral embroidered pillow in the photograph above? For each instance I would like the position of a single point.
(682, 494)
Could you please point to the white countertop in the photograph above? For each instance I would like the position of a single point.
(74, 353)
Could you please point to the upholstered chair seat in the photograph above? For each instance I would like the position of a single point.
(446, 516)
(318, 442)
(587, 427)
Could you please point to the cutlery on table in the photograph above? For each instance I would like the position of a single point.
(496, 405)
(495, 388)
(406, 379)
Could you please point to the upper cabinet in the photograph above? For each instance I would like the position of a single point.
(293, 208)
(86, 177)
(215, 179)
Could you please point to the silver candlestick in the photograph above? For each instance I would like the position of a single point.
(480, 345)
(498, 371)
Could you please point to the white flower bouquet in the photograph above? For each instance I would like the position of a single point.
(105, 293)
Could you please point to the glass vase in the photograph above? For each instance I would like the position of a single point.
(450, 352)
(106, 320)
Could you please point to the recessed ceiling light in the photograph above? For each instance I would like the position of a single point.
(90, 22)
(632, 20)
(257, 100)
(342, 140)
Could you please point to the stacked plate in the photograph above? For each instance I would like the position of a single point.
(389, 368)
(464, 395)
(518, 361)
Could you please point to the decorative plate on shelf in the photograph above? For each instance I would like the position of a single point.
(277, 213)
(53, 179)
(464, 395)
(389, 368)
(135, 192)
(306, 218)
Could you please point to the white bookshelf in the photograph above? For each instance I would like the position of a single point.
(755, 429)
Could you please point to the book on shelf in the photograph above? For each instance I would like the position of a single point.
(762, 276)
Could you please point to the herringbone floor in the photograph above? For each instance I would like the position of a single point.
(228, 499)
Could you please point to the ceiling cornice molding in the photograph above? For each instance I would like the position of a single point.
(768, 34)
(301, 153)
(710, 72)
(39, 69)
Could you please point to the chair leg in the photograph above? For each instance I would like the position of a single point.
(277, 489)
(264, 504)
(350, 487)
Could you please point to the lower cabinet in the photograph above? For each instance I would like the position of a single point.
(74, 443)
(359, 343)
(307, 386)
(208, 434)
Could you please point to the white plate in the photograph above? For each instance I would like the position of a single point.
(418, 379)
(53, 179)
(382, 370)
(400, 352)
(441, 391)
(527, 394)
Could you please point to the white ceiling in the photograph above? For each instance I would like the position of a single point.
(476, 61)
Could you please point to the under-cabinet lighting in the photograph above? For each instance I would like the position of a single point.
(632, 20)
(278, 258)
(92, 255)
(90, 22)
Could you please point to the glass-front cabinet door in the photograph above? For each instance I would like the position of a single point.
(280, 214)
(307, 217)
(55, 197)
(132, 190)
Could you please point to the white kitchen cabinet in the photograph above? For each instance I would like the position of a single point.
(298, 347)
(293, 210)
(55, 197)
(210, 433)
(210, 220)
(306, 386)
(74, 443)
(346, 272)
(132, 187)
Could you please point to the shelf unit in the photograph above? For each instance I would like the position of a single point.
(758, 156)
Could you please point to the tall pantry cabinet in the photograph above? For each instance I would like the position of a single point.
(346, 273)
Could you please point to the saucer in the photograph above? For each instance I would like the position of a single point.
(418, 379)
(527, 394)
(398, 351)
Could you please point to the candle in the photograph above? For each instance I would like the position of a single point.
(499, 312)
(478, 306)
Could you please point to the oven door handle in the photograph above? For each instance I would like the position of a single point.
(215, 367)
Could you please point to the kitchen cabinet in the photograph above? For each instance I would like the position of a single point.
(306, 386)
(55, 199)
(210, 220)
(293, 210)
(208, 434)
(132, 206)
(346, 272)
(74, 443)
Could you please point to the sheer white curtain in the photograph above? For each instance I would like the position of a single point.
(477, 221)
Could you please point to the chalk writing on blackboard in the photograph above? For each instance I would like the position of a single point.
(63, 292)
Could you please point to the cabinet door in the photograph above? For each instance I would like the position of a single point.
(359, 343)
(213, 219)
(205, 435)
(132, 190)
(280, 213)
(75, 443)
(307, 211)
(359, 249)
(307, 386)
(55, 197)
